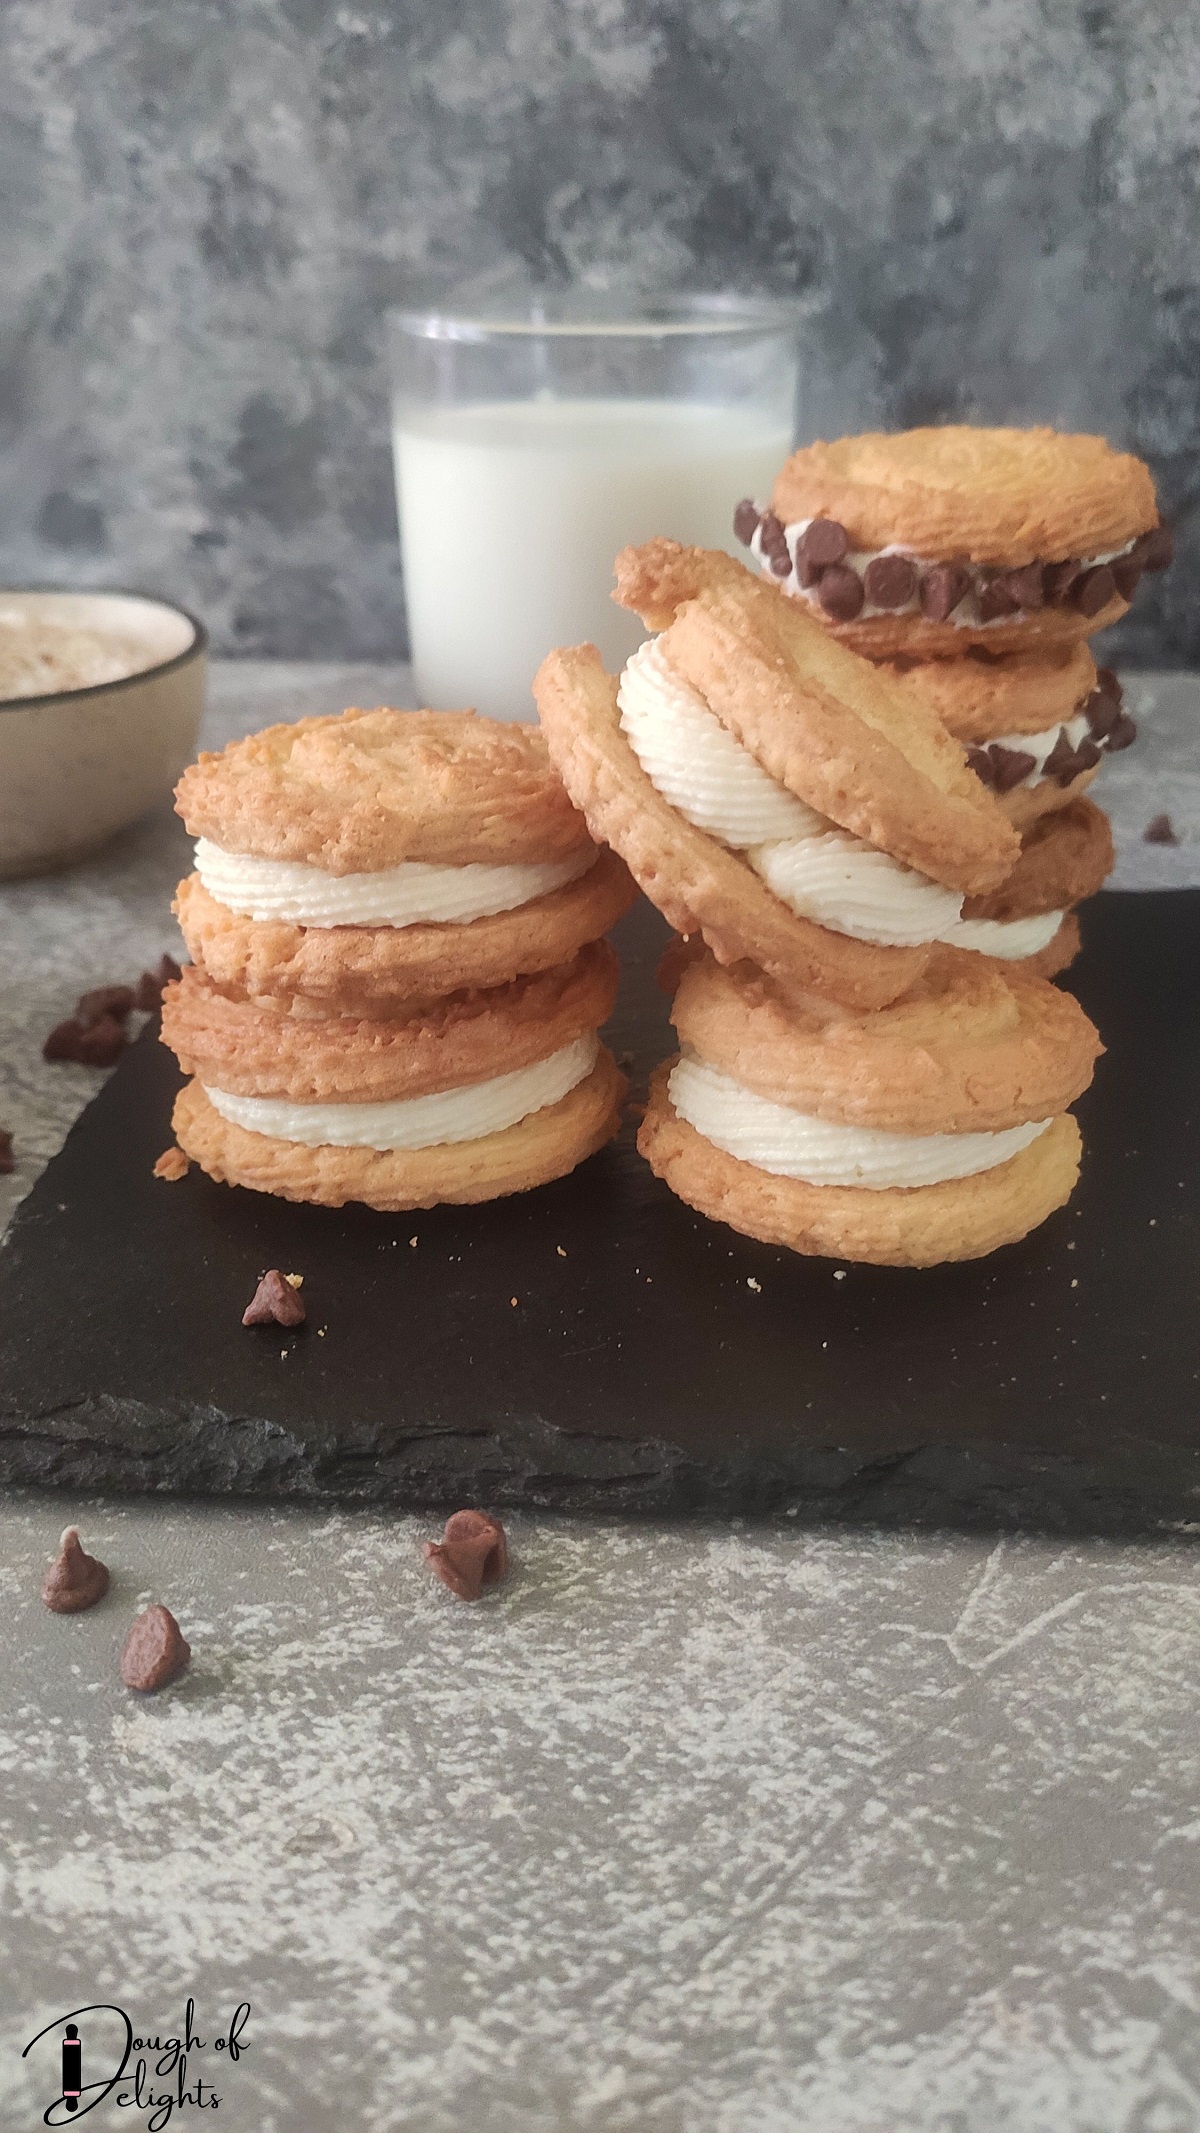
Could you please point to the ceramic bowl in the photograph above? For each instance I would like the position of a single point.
(80, 764)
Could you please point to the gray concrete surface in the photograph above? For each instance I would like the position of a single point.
(695, 1829)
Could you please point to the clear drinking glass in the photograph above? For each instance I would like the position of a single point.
(532, 444)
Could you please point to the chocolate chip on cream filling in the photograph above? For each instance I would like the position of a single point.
(814, 560)
(1100, 727)
(818, 870)
(793, 1144)
(412, 894)
(433, 1121)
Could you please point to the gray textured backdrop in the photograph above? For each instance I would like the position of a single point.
(207, 205)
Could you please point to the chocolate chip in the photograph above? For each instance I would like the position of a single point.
(996, 596)
(807, 573)
(942, 589)
(979, 760)
(1108, 680)
(471, 1554)
(1127, 575)
(890, 581)
(8, 1162)
(1026, 587)
(98, 1045)
(1094, 590)
(148, 992)
(1058, 581)
(1061, 764)
(1160, 830)
(745, 520)
(154, 1652)
(74, 1580)
(1010, 766)
(1123, 735)
(840, 592)
(773, 542)
(1101, 712)
(1155, 550)
(114, 1000)
(1087, 755)
(274, 1303)
(823, 542)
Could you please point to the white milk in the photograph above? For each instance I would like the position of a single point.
(511, 513)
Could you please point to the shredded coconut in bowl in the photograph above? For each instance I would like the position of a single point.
(43, 658)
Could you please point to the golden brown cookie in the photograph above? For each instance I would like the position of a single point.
(545, 1145)
(1058, 954)
(1065, 857)
(965, 1218)
(931, 540)
(842, 735)
(984, 695)
(386, 970)
(699, 885)
(973, 1047)
(371, 790)
(258, 1050)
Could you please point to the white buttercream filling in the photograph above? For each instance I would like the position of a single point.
(1008, 938)
(848, 886)
(412, 894)
(434, 1121)
(965, 616)
(791, 1144)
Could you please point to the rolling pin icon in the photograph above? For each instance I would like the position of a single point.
(72, 2067)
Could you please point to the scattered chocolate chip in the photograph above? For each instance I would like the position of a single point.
(773, 542)
(1061, 764)
(996, 596)
(943, 588)
(1160, 830)
(471, 1554)
(1127, 575)
(1155, 550)
(154, 1652)
(274, 1302)
(99, 1044)
(745, 521)
(823, 542)
(1094, 590)
(74, 1580)
(8, 1161)
(1010, 766)
(1123, 735)
(113, 1000)
(980, 761)
(1058, 581)
(840, 592)
(890, 581)
(171, 1165)
(148, 992)
(1026, 587)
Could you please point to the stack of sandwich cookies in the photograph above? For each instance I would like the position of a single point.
(399, 976)
(771, 791)
(935, 1129)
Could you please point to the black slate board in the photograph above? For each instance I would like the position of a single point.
(1055, 1384)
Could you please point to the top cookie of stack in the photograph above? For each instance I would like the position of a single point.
(396, 921)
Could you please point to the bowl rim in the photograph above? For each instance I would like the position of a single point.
(198, 645)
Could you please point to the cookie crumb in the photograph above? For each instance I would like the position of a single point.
(154, 1652)
(274, 1303)
(471, 1554)
(8, 1161)
(294, 1281)
(839, 1273)
(1160, 830)
(513, 1302)
(74, 1580)
(172, 1164)
(412, 1240)
(561, 1253)
(751, 1283)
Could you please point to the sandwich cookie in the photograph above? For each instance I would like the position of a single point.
(930, 540)
(1036, 730)
(931, 1130)
(385, 858)
(481, 1095)
(1030, 921)
(769, 789)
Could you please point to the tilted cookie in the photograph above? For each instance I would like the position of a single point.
(934, 1129)
(768, 789)
(1036, 730)
(930, 540)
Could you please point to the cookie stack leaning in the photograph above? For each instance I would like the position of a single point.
(976, 563)
(857, 1078)
(399, 972)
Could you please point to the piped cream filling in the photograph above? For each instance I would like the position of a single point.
(412, 894)
(791, 1144)
(434, 1121)
(1008, 938)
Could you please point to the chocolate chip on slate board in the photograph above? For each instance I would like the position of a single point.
(8, 1161)
(275, 1302)
(115, 1001)
(154, 1652)
(96, 1044)
(149, 989)
(745, 520)
(1159, 830)
(471, 1554)
(74, 1580)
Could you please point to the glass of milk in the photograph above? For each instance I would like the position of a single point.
(532, 444)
